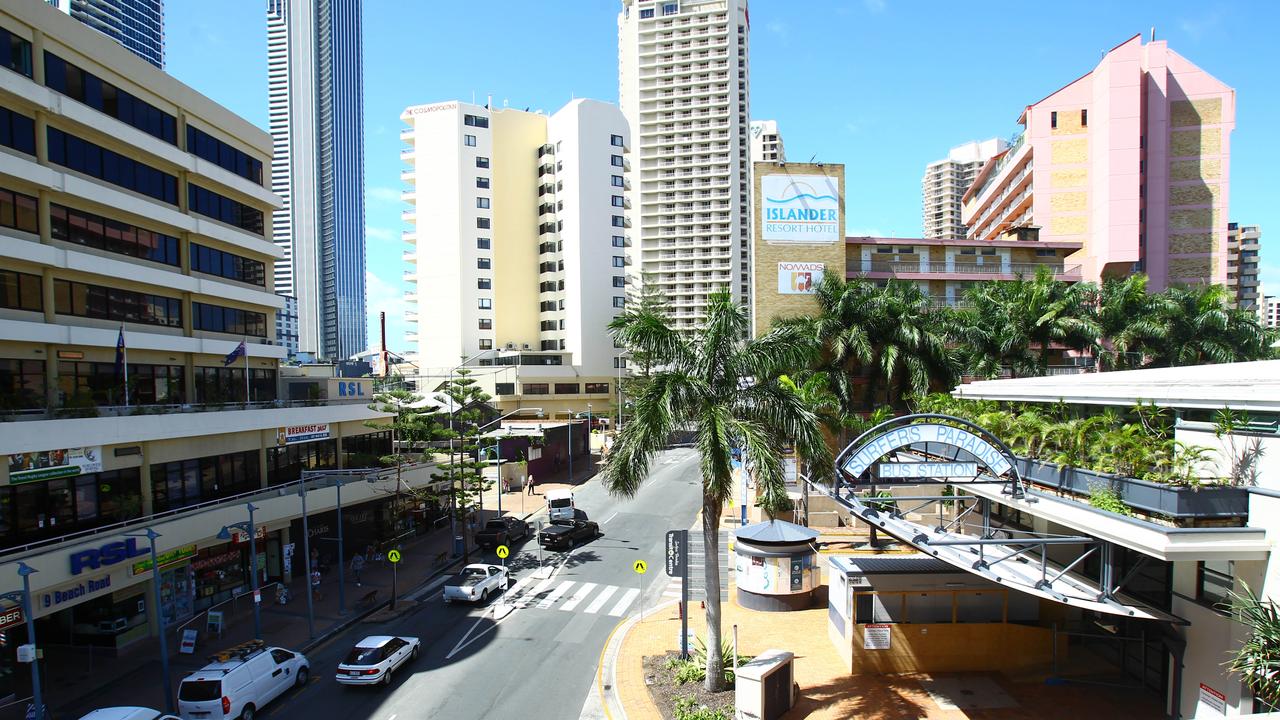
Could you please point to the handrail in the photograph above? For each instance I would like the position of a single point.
(262, 589)
(44, 413)
(280, 490)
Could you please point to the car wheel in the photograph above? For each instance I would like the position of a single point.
(386, 677)
(247, 713)
(484, 596)
(301, 677)
(414, 655)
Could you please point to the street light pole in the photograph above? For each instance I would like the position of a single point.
(225, 534)
(571, 447)
(306, 555)
(342, 595)
(24, 598)
(151, 536)
(590, 430)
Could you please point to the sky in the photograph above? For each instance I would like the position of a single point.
(883, 86)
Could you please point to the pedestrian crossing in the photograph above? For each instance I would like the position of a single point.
(570, 596)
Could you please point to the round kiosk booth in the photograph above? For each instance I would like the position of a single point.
(775, 566)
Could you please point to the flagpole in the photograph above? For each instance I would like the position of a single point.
(126, 366)
(247, 398)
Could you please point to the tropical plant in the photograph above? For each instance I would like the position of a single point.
(463, 474)
(725, 389)
(1129, 321)
(1257, 660)
(687, 708)
(1244, 455)
(1109, 500)
(1196, 325)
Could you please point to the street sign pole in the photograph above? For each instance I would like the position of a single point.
(394, 557)
(684, 594)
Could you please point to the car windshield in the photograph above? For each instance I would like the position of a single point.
(561, 503)
(200, 690)
(363, 656)
(495, 525)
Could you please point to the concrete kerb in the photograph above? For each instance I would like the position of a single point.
(613, 708)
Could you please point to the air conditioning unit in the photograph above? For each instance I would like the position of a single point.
(511, 346)
(525, 346)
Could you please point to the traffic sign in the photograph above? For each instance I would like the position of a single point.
(677, 551)
(394, 556)
(503, 551)
(640, 567)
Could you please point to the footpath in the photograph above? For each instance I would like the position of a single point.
(77, 680)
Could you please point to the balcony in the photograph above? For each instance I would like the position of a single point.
(408, 175)
(407, 135)
(408, 155)
(410, 256)
(409, 215)
(411, 276)
(944, 270)
(410, 236)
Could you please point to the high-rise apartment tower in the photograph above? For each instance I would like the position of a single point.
(766, 142)
(135, 24)
(684, 86)
(945, 182)
(1243, 245)
(315, 115)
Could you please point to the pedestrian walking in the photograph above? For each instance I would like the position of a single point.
(528, 484)
(357, 566)
(315, 583)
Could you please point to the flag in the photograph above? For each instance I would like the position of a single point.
(239, 352)
(120, 353)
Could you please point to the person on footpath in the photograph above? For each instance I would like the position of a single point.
(315, 583)
(357, 567)
(528, 483)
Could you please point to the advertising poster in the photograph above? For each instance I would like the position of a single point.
(50, 464)
(800, 209)
(799, 278)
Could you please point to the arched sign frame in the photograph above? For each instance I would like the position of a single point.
(907, 430)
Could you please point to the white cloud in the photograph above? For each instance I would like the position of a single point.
(875, 7)
(386, 295)
(377, 233)
(383, 194)
(779, 28)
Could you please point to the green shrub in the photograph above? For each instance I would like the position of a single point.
(687, 708)
(1109, 500)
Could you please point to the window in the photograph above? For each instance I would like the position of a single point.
(475, 121)
(646, 13)
(968, 251)
(619, 221)
(486, 324)
(101, 233)
(285, 464)
(20, 291)
(615, 140)
(617, 201)
(619, 261)
(884, 251)
(485, 303)
(1084, 118)
(504, 388)
(21, 381)
(619, 281)
(211, 204)
(670, 8)
(906, 250)
(616, 180)
(15, 53)
(37, 510)
(534, 388)
(1053, 119)
(104, 303)
(190, 482)
(483, 223)
(619, 241)
(483, 283)
(482, 162)
(484, 263)
(597, 388)
(100, 95)
(619, 302)
(482, 243)
(17, 131)
(1040, 252)
(227, 265)
(486, 345)
(567, 388)
(71, 152)
(216, 318)
(482, 202)
(989, 252)
(615, 160)
(19, 211)
(469, 140)
(225, 156)
(482, 182)
(1214, 581)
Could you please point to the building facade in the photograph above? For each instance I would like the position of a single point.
(315, 116)
(1132, 160)
(1243, 245)
(1271, 311)
(525, 262)
(945, 183)
(684, 87)
(136, 24)
(139, 383)
(766, 142)
(287, 326)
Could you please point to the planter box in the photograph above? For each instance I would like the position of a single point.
(1151, 498)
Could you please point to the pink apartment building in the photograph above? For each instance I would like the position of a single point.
(1131, 161)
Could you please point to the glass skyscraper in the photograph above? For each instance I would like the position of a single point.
(135, 24)
(315, 89)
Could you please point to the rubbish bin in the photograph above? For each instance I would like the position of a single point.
(458, 547)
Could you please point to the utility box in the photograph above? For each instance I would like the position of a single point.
(765, 688)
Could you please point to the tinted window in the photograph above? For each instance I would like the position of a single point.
(363, 656)
(83, 156)
(225, 156)
(200, 690)
(100, 95)
(281, 656)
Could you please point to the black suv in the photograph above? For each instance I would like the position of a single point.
(567, 533)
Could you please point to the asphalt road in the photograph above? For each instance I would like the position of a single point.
(532, 654)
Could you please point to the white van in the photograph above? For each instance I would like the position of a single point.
(560, 505)
(239, 682)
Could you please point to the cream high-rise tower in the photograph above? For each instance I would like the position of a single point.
(683, 83)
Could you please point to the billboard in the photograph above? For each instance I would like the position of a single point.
(800, 209)
(799, 278)
(49, 464)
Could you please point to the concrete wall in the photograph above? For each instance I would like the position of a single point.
(953, 648)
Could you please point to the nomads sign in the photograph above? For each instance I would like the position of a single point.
(799, 278)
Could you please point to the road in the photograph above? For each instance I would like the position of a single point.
(532, 654)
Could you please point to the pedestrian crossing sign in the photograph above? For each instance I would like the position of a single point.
(641, 566)
(394, 556)
(503, 551)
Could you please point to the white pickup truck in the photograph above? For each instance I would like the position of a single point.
(476, 583)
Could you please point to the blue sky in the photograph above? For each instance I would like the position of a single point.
(883, 86)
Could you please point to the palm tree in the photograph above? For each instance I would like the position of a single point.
(847, 310)
(1197, 326)
(1257, 660)
(726, 390)
(1128, 319)
(987, 338)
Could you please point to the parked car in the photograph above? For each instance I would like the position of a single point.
(560, 505)
(241, 681)
(374, 658)
(502, 531)
(567, 533)
(128, 713)
(476, 583)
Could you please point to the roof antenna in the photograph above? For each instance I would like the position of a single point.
(1153, 33)
(811, 158)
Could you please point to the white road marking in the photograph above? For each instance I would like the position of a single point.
(625, 602)
(583, 591)
(527, 598)
(610, 518)
(600, 600)
(551, 599)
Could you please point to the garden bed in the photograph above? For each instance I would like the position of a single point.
(664, 691)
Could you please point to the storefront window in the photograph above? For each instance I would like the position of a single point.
(362, 451)
(285, 464)
(184, 483)
(218, 574)
(38, 510)
(226, 384)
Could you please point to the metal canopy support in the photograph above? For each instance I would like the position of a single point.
(1048, 584)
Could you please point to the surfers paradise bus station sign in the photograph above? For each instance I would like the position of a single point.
(929, 439)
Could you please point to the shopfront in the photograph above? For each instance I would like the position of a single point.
(364, 526)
